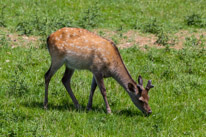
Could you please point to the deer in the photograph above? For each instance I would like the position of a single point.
(78, 48)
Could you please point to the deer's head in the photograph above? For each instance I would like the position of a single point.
(139, 95)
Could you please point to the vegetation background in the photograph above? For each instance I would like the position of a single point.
(178, 100)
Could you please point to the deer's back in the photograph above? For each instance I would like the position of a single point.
(81, 49)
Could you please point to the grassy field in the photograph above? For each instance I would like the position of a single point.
(41, 17)
(178, 100)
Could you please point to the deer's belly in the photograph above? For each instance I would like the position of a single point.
(78, 61)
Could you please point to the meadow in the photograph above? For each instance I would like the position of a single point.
(178, 100)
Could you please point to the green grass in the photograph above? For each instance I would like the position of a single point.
(42, 17)
(178, 99)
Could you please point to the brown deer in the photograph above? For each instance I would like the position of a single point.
(81, 49)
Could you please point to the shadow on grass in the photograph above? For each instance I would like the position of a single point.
(61, 107)
(70, 107)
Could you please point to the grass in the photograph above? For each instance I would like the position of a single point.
(177, 101)
(42, 17)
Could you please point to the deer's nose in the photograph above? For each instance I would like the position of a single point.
(150, 111)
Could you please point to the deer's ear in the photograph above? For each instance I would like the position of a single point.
(140, 81)
(131, 87)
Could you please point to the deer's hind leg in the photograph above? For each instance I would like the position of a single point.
(93, 87)
(66, 80)
(55, 65)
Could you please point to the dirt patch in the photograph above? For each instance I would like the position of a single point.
(22, 40)
(134, 37)
(182, 35)
(122, 39)
(137, 38)
(15, 40)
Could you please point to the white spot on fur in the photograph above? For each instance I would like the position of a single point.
(99, 49)
(60, 47)
(77, 47)
(57, 38)
(72, 45)
(73, 53)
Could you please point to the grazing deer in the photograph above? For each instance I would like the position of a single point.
(80, 49)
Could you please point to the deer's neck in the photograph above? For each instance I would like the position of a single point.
(122, 76)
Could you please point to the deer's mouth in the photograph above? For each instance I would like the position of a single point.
(147, 113)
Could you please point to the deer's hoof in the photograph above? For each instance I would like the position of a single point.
(45, 107)
(109, 111)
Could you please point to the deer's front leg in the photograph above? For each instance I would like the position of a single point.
(100, 83)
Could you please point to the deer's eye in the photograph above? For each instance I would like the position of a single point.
(141, 101)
